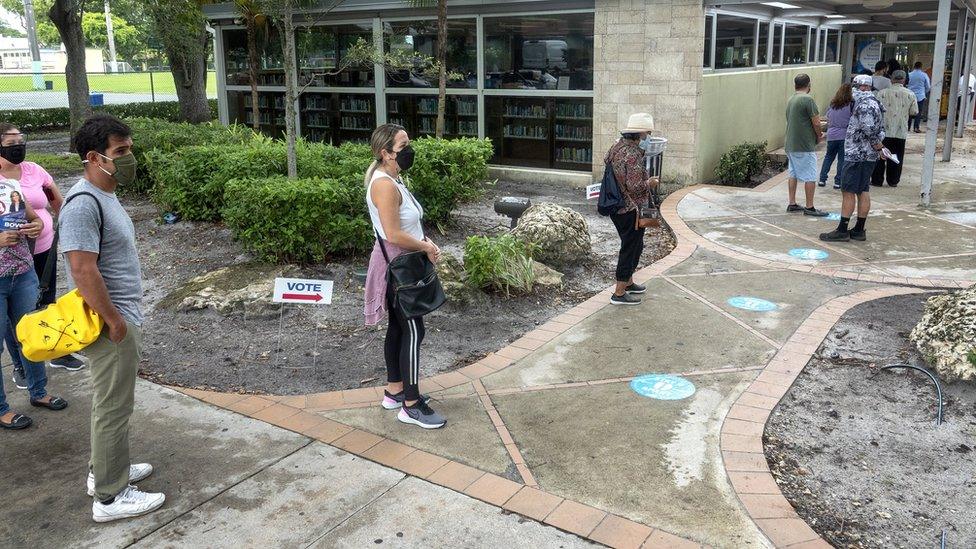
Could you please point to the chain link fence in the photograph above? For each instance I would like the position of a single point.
(46, 90)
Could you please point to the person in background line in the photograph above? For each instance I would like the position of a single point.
(880, 81)
(18, 285)
(900, 105)
(893, 65)
(626, 157)
(99, 242)
(920, 84)
(865, 135)
(802, 135)
(967, 90)
(35, 184)
(397, 219)
(838, 116)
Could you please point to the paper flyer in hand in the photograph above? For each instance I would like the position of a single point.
(890, 155)
(13, 211)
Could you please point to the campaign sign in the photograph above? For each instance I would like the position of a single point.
(809, 253)
(751, 304)
(662, 387)
(13, 208)
(301, 290)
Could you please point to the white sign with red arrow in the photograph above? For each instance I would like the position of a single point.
(301, 290)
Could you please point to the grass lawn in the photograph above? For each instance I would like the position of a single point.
(56, 163)
(135, 82)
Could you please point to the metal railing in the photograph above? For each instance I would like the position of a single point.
(23, 89)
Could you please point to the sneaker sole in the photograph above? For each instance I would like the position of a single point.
(859, 238)
(411, 421)
(636, 292)
(111, 518)
(386, 406)
(835, 239)
(625, 303)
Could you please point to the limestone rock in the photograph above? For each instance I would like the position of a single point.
(946, 335)
(559, 234)
(451, 273)
(545, 276)
(238, 288)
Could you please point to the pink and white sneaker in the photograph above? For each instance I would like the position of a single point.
(395, 402)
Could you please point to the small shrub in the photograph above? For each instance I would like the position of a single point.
(29, 120)
(298, 220)
(56, 163)
(502, 263)
(741, 163)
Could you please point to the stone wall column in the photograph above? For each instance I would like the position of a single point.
(648, 58)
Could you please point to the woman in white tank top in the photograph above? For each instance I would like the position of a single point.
(396, 216)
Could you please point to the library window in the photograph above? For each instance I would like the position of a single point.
(418, 114)
(707, 62)
(323, 59)
(762, 56)
(795, 44)
(735, 41)
(545, 52)
(420, 38)
(778, 44)
(541, 132)
(270, 69)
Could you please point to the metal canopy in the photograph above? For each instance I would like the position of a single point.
(901, 15)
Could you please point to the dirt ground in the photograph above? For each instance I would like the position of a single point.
(856, 450)
(304, 349)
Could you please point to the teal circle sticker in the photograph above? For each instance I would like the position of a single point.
(833, 217)
(752, 304)
(662, 387)
(809, 253)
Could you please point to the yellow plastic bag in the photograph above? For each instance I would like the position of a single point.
(63, 327)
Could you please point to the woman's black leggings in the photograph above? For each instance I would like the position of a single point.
(402, 348)
(631, 244)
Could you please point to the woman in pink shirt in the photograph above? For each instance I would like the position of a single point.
(39, 190)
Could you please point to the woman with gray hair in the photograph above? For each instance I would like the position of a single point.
(626, 157)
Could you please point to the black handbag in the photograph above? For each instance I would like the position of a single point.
(416, 289)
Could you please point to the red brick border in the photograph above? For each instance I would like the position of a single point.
(741, 436)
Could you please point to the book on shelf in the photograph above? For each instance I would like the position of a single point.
(573, 110)
(525, 111)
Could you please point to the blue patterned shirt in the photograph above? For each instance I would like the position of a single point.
(865, 129)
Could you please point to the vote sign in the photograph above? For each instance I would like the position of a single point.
(302, 290)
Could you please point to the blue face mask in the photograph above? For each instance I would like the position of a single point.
(646, 142)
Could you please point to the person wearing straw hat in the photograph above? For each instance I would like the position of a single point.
(626, 157)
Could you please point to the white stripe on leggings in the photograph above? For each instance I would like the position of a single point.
(413, 351)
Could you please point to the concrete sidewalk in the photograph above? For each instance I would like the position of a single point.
(230, 481)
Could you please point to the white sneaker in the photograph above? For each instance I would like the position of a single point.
(130, 502)
(137, 472)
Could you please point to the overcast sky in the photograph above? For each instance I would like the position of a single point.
(11, 19)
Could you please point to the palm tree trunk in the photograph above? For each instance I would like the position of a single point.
(442, 69)
(252, 68)
(66, 16)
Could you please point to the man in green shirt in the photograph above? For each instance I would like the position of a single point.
(802, 135)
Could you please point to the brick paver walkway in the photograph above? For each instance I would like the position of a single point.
(547, 427)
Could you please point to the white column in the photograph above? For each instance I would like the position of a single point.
(223, 112)
(935, 103)
(967, 70)
(379, 73)
(958, 51)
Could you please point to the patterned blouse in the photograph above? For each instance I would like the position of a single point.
(16, 260)
(865, 130)
(627, 159)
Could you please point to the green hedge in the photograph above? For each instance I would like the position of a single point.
(168, 141)
(741, 163)
(282, 219)
(30, 120)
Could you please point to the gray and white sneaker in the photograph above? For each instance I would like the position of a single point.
(422, 415)
(626, 299)
(130, 502)
(20, 379)
(137, 472)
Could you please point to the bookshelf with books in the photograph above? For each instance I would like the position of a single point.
(357, 117)
(271, 110)
(316, 114)
(541, 132)
(418, 114)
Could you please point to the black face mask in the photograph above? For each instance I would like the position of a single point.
(14, 154)
(404, 158)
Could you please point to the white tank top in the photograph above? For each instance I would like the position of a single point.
(410, 210)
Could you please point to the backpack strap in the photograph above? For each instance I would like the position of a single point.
(101, 216)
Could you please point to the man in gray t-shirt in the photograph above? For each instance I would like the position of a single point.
(99, 243)
(118, 261)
